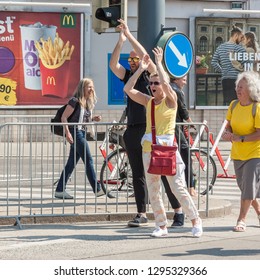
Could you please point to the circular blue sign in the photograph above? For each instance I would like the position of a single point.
(178, 55)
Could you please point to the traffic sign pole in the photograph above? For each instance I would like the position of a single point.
(151, 18)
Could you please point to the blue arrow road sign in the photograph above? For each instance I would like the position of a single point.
(178, 55)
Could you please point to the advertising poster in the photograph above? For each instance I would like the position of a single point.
(240, 54)
(39, 57)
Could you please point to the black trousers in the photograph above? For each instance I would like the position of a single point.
(229, 90)
(132, 138)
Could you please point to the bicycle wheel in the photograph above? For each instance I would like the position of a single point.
(199, 166)
(116, 175)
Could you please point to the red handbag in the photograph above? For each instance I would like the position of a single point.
(163, 158)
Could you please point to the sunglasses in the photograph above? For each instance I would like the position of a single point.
(134, 59)
(154, 83)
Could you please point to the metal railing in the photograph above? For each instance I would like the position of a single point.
(31, 161)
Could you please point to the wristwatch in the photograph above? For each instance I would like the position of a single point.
(242, 138)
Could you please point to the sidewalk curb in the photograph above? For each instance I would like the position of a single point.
(219, 208)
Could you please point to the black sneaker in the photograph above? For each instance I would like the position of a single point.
(138, 221)
(178, 220)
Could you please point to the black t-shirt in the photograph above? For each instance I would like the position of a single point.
(136, 113)
(182, 114)
(73, 102)
(182, 111)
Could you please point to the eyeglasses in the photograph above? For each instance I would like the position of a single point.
(154, 83)
(134, 59)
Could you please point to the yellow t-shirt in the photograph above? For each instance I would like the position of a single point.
(243, 123)
(165, 120)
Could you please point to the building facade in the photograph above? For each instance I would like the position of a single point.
(205, 29)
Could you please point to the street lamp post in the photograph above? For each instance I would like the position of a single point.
(151, 19)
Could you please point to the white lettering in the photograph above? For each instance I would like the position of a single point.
(248, 66)
(257, 56)
(240, 56)
(231, 56)
(7, 38)
(6, 25)
(244, 56)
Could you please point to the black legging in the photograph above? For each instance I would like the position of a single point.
(172, 198)
(132, 138)
(229, 90)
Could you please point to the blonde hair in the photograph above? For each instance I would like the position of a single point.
(79, 93)
(156, 74)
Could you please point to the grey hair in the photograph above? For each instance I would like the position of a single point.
(253, 82)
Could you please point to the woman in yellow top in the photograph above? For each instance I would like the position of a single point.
(243, 129)
(165, 114)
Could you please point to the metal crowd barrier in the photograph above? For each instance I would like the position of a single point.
(31, 161)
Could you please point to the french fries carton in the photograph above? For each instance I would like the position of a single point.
(55, 59)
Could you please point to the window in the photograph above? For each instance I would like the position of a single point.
(203, 44)
(252, 29)
(218, 41)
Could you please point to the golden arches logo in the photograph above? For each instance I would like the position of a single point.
(51, 81)
(68, 20)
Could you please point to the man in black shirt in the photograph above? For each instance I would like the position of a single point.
(136, 122)
(136, 118)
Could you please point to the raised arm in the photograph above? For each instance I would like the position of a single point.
(164, 78)
(139, 49)
(134, 94)
(114, 64)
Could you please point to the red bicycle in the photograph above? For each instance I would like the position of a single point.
(203, 163)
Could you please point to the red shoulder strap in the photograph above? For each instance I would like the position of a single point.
(153, 122)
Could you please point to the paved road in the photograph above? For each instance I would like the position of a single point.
(115, 241)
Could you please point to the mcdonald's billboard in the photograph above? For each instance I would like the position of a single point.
(40, 57)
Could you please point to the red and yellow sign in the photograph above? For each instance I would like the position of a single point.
(39, 61)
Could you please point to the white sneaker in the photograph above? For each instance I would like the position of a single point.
(62, 195)
(158, 232)
(100, 193)
(197, 229)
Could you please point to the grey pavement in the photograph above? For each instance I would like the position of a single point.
(116, 241)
